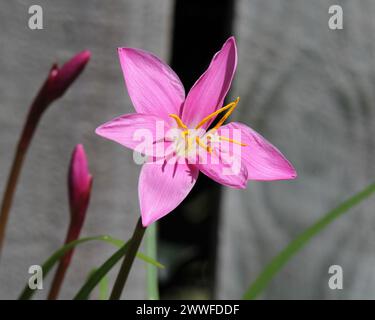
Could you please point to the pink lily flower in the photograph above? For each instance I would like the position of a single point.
(159, 98)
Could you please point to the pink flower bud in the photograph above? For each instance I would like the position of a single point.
(79, 183)
(62, 78)
(59, 80)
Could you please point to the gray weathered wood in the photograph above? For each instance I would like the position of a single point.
(40, 213)
(310, 91)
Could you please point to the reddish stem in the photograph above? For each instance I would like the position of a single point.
(72, 235)
(22, 147)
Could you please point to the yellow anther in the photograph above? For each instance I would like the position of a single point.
(233, 141)
(231, 105)
(178, 121)
(201, 144)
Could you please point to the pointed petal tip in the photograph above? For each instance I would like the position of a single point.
(231, 39)
(126, 50)
(290, 173)
(232, 42)
(76, 63)
(79, 151)
(100, 131)
(293, 174)
(79, 146)
(122, 52)
(85, 55)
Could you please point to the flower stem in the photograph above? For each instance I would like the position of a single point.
(152, 271)
(23, 145)
(128, 261)
(72, 235)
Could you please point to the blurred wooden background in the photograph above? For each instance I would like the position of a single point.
(309, 90)
(40, 213)
(306, 88)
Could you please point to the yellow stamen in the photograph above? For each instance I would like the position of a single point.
(230, 106)
(233, 141)
(179, 121)
(228, 113)
(201, 144)
(185, 135)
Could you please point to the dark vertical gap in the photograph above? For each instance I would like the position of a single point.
(188, 236)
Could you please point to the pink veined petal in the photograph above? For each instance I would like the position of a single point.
(141, 132)
(162, 187)
(153, 86)
(262, 160)
(208, 93)
(223, 168)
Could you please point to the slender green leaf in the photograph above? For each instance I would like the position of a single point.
(298, 243)
(104, 288)
(103, 285)
(95, 278)
(149, 260)
(92, 271)
(152, 271)
(100, 272)
(27, 293)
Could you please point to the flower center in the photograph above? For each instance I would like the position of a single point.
(190, 139)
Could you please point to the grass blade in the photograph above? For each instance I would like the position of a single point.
(298, 243)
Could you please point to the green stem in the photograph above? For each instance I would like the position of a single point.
(152, 272)
(128, 261)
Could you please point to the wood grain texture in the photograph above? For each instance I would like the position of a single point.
(310, 91)
(39, 217)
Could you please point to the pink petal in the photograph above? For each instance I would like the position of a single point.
(140, 132)
(208, 93)
(162, 187)
(153, 86)
(262, 160)
(223, 169)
